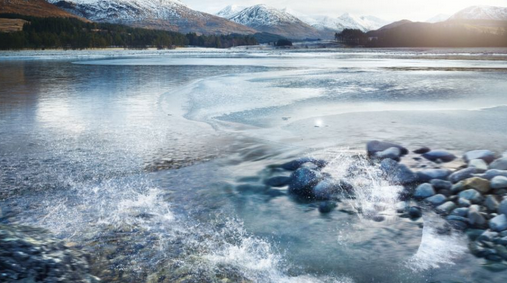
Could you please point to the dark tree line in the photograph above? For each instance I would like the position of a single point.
(69, 33)
(427, 35)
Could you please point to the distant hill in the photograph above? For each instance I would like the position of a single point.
(172, 15)
(270, 20)
(35, 8)
(482, 13)
(438, 18)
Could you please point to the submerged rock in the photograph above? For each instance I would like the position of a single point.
(486, 155)
(32, 255)
(439, 155)
(372, 147)
(396, 173)
(414, 212)
(279, 181)
(303, 180)
(326, 206)
(297, 163)
(326, 189)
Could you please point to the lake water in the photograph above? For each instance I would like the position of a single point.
(154, 161)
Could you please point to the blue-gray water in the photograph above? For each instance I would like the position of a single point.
(158, 156)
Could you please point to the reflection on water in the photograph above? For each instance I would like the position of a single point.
(86, 144)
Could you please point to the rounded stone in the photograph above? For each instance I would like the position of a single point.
(486, 155)
(414, 212)
(498, 223)
(472, 195)
(422, 150)
(436, 200)
(499, 164)
(393, 153)
(478, 184)
(446, 207)
(424, 191)
(439, 155)
(462, 174)
(302, 181)
(326, 206)
(479, 164)
(502, 207)
(499, 182)
(427, 175)
(373, 147)
(441, 184)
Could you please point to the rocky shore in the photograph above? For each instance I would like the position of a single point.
(30, 254)
(472, 196)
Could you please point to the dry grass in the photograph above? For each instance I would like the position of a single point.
(35, 8)
(11, 25)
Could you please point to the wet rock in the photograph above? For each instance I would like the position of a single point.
(326, 206)
(439, 156)
(491, 203)
(462, 174)
(427, 175)
(396, 173)
(436, 200)
(279, 181)
(326, 189)
(502, 207)
(502, 241)
(392, 153)
(458, 187)
(480, 165)
(401, 207)
(303, 180)
(475, 218)
(498, 223)
(414, 212)
(499, 164)
(495, 267)
(486, 155)
(372, 147)
(424, 191)
(32, 255)
(460, 211)
(487, 236)
(296, 164)
(491, 173)
(464, 202)
(472, 195)
(422, 150)
(478, 184)
(441, 184)
(473, 234)
(457, 218)
(446, 207)
(499, 182)
(501, 251)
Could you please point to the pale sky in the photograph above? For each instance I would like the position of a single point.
(415, 10)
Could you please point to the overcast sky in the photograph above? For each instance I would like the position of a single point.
(416, 10)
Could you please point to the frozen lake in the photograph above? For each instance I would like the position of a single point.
(154, 160)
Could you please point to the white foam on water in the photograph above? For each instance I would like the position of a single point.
(437, 249)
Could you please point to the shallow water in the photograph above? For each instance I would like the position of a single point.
(155, 160)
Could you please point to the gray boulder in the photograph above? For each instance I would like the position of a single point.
(502, 207)
(498, 223)
(424, 191)
(392, 153)
(439, 156)
(436, 200)
(499, 164)
(427, 175)
(372, 147)
(303, 180)
(472, 195)
(480, 165)
(491, 203)
(279, 181)
(486, 155)
(499, 182)
(446, 208)
(462, 174)
(441, 184)
(492, 173)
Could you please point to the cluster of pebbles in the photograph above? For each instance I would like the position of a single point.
(472, 197)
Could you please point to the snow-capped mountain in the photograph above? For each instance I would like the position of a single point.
(267, 19)
(230, 11)
(338, 24)
(159, 14)
(482, 13)
(438, 18)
